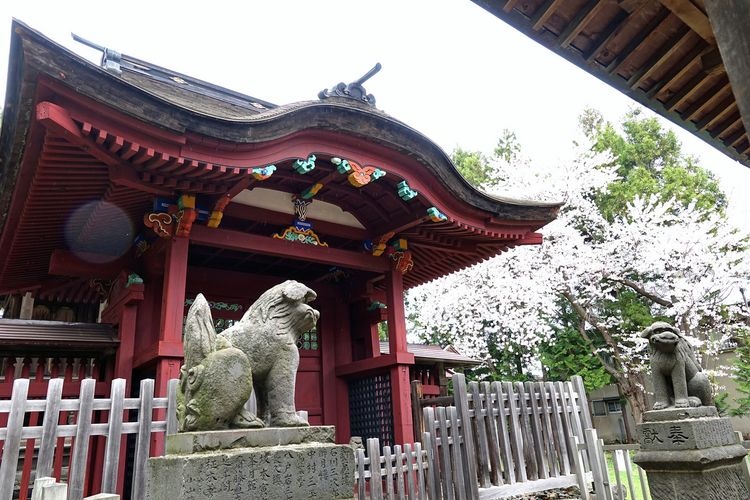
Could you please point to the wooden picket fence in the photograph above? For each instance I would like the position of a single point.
(56, 437)
(520, 438)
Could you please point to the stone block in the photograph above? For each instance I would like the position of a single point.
(198, 442)
(691, 454)
(303, 471)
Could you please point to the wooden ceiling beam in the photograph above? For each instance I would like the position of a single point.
(509, 5)
(667, 50)
(543, 13)
(86, 265)
(709, 97)
(635, 42)
(609, 33)
(720, 111)
(236, 240)
(579, 22)
(692, 16)
(688, 89)
(679, 69)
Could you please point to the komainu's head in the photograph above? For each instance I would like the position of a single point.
(662, 337)
(287, 305)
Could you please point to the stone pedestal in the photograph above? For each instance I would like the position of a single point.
(691, 454)
(289, 463)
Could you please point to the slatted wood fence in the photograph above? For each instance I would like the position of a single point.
(58, 438)
(520, 438)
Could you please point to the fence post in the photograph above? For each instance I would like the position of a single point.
(114, 436)
(373, 452)
(55, 491)
(416, 408)
(39, 484)
(468, 457)
(13, 439)
(49, 428)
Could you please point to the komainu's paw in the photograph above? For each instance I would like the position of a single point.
(660, 405)
(246, 420)
(288, 419)
(694, 402)
(681, 403)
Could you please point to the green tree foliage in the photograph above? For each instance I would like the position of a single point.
(742, 376)
(473, 165)
(650, 161)
(568, 352)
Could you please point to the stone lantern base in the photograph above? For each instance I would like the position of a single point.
(692, 454)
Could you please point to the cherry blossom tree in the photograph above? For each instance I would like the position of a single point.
(653, 256)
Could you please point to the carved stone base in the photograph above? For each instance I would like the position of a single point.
(691, 454)
(294, 463)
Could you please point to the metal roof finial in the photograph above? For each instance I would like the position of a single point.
(354, 90)
(110, 58)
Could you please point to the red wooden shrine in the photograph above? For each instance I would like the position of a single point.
(134, 187)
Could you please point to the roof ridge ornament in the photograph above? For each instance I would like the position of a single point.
(110, 58)
(354, 90)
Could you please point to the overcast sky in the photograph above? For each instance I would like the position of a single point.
(450, 69)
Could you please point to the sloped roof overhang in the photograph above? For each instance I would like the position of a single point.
(127, 144)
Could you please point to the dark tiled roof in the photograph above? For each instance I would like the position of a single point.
(42, 335)
(428, 352)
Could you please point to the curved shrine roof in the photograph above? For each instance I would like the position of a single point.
(74, 134)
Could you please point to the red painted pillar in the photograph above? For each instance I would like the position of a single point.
(170, 326)
(403, 428)
(343, 355)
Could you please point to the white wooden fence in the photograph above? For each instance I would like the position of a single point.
(53, 435)
(522, 438)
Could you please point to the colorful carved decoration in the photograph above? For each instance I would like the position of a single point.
(404, 262)
(305, 166)
(379, 247)
(185, 215)
(301, 231)
(306, 236)
(436, 215)
(358, 176)
(405, 192)
(161, 223)
(312, 190)
(263, 173)
(214, 218)
(375, 305)
(399, 245)
(133, 279)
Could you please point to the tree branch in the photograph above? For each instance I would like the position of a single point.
(641, 290)
(610, 369)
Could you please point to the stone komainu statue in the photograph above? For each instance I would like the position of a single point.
(678, 378)
(258, 352)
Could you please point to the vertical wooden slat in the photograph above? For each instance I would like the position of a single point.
(561, 440)
(416, 409)
(362, 482)
(143, 439)
(49, 428)
(114, 437)
(575, 418)
(515, 432)
(446, 470)
(567, 426)
(591, 448)
(434, 462)
(481, 447)
(618, 481)
(410, 492)
(493, 439)
(461, 475)
(39, 483)
(580, 389)
(421, 490)
(603, 467)
(629, 474)
(388, 467)
(13, 439)
(547, 425)
(529, 454)
(77, 472)
(399, 458)
(172, 406)
(537, 431)
(433, 485)
(469, 454)
(644, 484)
(583, 485)
(503, 432)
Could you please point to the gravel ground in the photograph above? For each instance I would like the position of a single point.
(561, 494)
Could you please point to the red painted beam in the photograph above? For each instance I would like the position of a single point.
(530, 239)
(85, 265)
(377, 364)
(266, 245)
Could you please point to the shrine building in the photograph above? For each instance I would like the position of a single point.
(128, 188)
